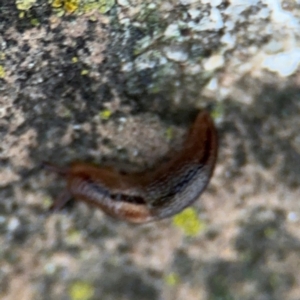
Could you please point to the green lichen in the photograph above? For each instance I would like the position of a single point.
(105, 5)
(169, 133)
(81, 290)
(24, 4)
(189, 222)
(218, 111)
(2, 72)
(90, 6)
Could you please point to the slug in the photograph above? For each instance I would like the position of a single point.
(150, 195)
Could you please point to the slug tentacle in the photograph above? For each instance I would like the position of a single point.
(152, 195)
(61, 200)
(54, 168)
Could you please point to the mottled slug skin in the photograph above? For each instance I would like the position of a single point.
(152, 195)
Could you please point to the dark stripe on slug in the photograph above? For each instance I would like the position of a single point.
(93, 186)
(128, 198)
(185, 179)
(117, 196)
(182, 183)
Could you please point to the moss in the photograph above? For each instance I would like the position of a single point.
(189, 222)
(80, 290)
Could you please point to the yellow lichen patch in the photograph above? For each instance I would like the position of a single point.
(2, 72)
(21, 14)
(172, 279)
(74, 59)
(84, 72)
(57, 3)
(105, 114)
(2, 55)
(189, 222)
(71, 6)
(24, 4)
(80, 290)
(81, 6)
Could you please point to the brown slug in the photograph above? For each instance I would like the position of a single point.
(152, 195)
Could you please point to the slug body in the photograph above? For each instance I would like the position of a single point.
(152, 195)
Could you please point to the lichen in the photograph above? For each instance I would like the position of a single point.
(105, 114)
(81, 290)
(47, 202)
(74, 59)
(189, 222)
(24, 4)
(169, 133)
(81, 6)
(73, 237)
(84, 72)
(105, 5)
(2, 72)
(34, 22)
(71, 5)
(172, 279)
(218, 111)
